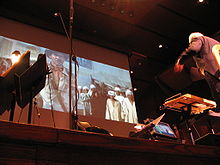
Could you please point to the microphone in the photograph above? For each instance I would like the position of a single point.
(58, 14)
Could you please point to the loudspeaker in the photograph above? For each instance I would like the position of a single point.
(175, 81)
(209, 139)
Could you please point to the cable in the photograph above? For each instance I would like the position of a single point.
(75, 108)
(21, 111)
(51, 101)
(76, 85)
(51, 108)
(63, 24)
(197, 132)
(36, 108)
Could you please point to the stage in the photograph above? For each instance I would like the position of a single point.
(32, 144)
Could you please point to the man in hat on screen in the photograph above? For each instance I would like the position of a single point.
(129, 108)
(55, 94)
(113, 107)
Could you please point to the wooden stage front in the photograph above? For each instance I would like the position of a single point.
(23, 144)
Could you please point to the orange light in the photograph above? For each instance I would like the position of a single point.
(15, 57)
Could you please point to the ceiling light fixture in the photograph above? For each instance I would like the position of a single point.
(131, 14)
(122, 11)
(200, 1)
(113, 7)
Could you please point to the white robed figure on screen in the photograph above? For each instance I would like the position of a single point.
(113, 108)
(129, 108)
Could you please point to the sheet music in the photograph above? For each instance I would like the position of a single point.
(197, 104)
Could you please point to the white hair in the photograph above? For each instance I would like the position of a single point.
(194, 35)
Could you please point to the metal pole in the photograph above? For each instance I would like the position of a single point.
(70, 60)
(73, 117)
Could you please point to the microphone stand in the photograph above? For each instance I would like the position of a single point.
(73, 117)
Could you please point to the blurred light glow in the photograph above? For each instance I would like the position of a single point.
(15, 57)
(200, 1)
(139, 127)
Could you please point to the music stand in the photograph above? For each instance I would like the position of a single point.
(30, 83)
(146, 131)
(7, 84)
(188, 104)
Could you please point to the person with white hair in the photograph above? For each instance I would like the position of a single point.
(200, 48)
(129, 108)
(113, 107)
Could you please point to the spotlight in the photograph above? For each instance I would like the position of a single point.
(160, 46)
(56, 14)
(15, 57)
(200, 1)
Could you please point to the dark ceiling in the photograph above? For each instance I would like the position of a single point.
(135, 27)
